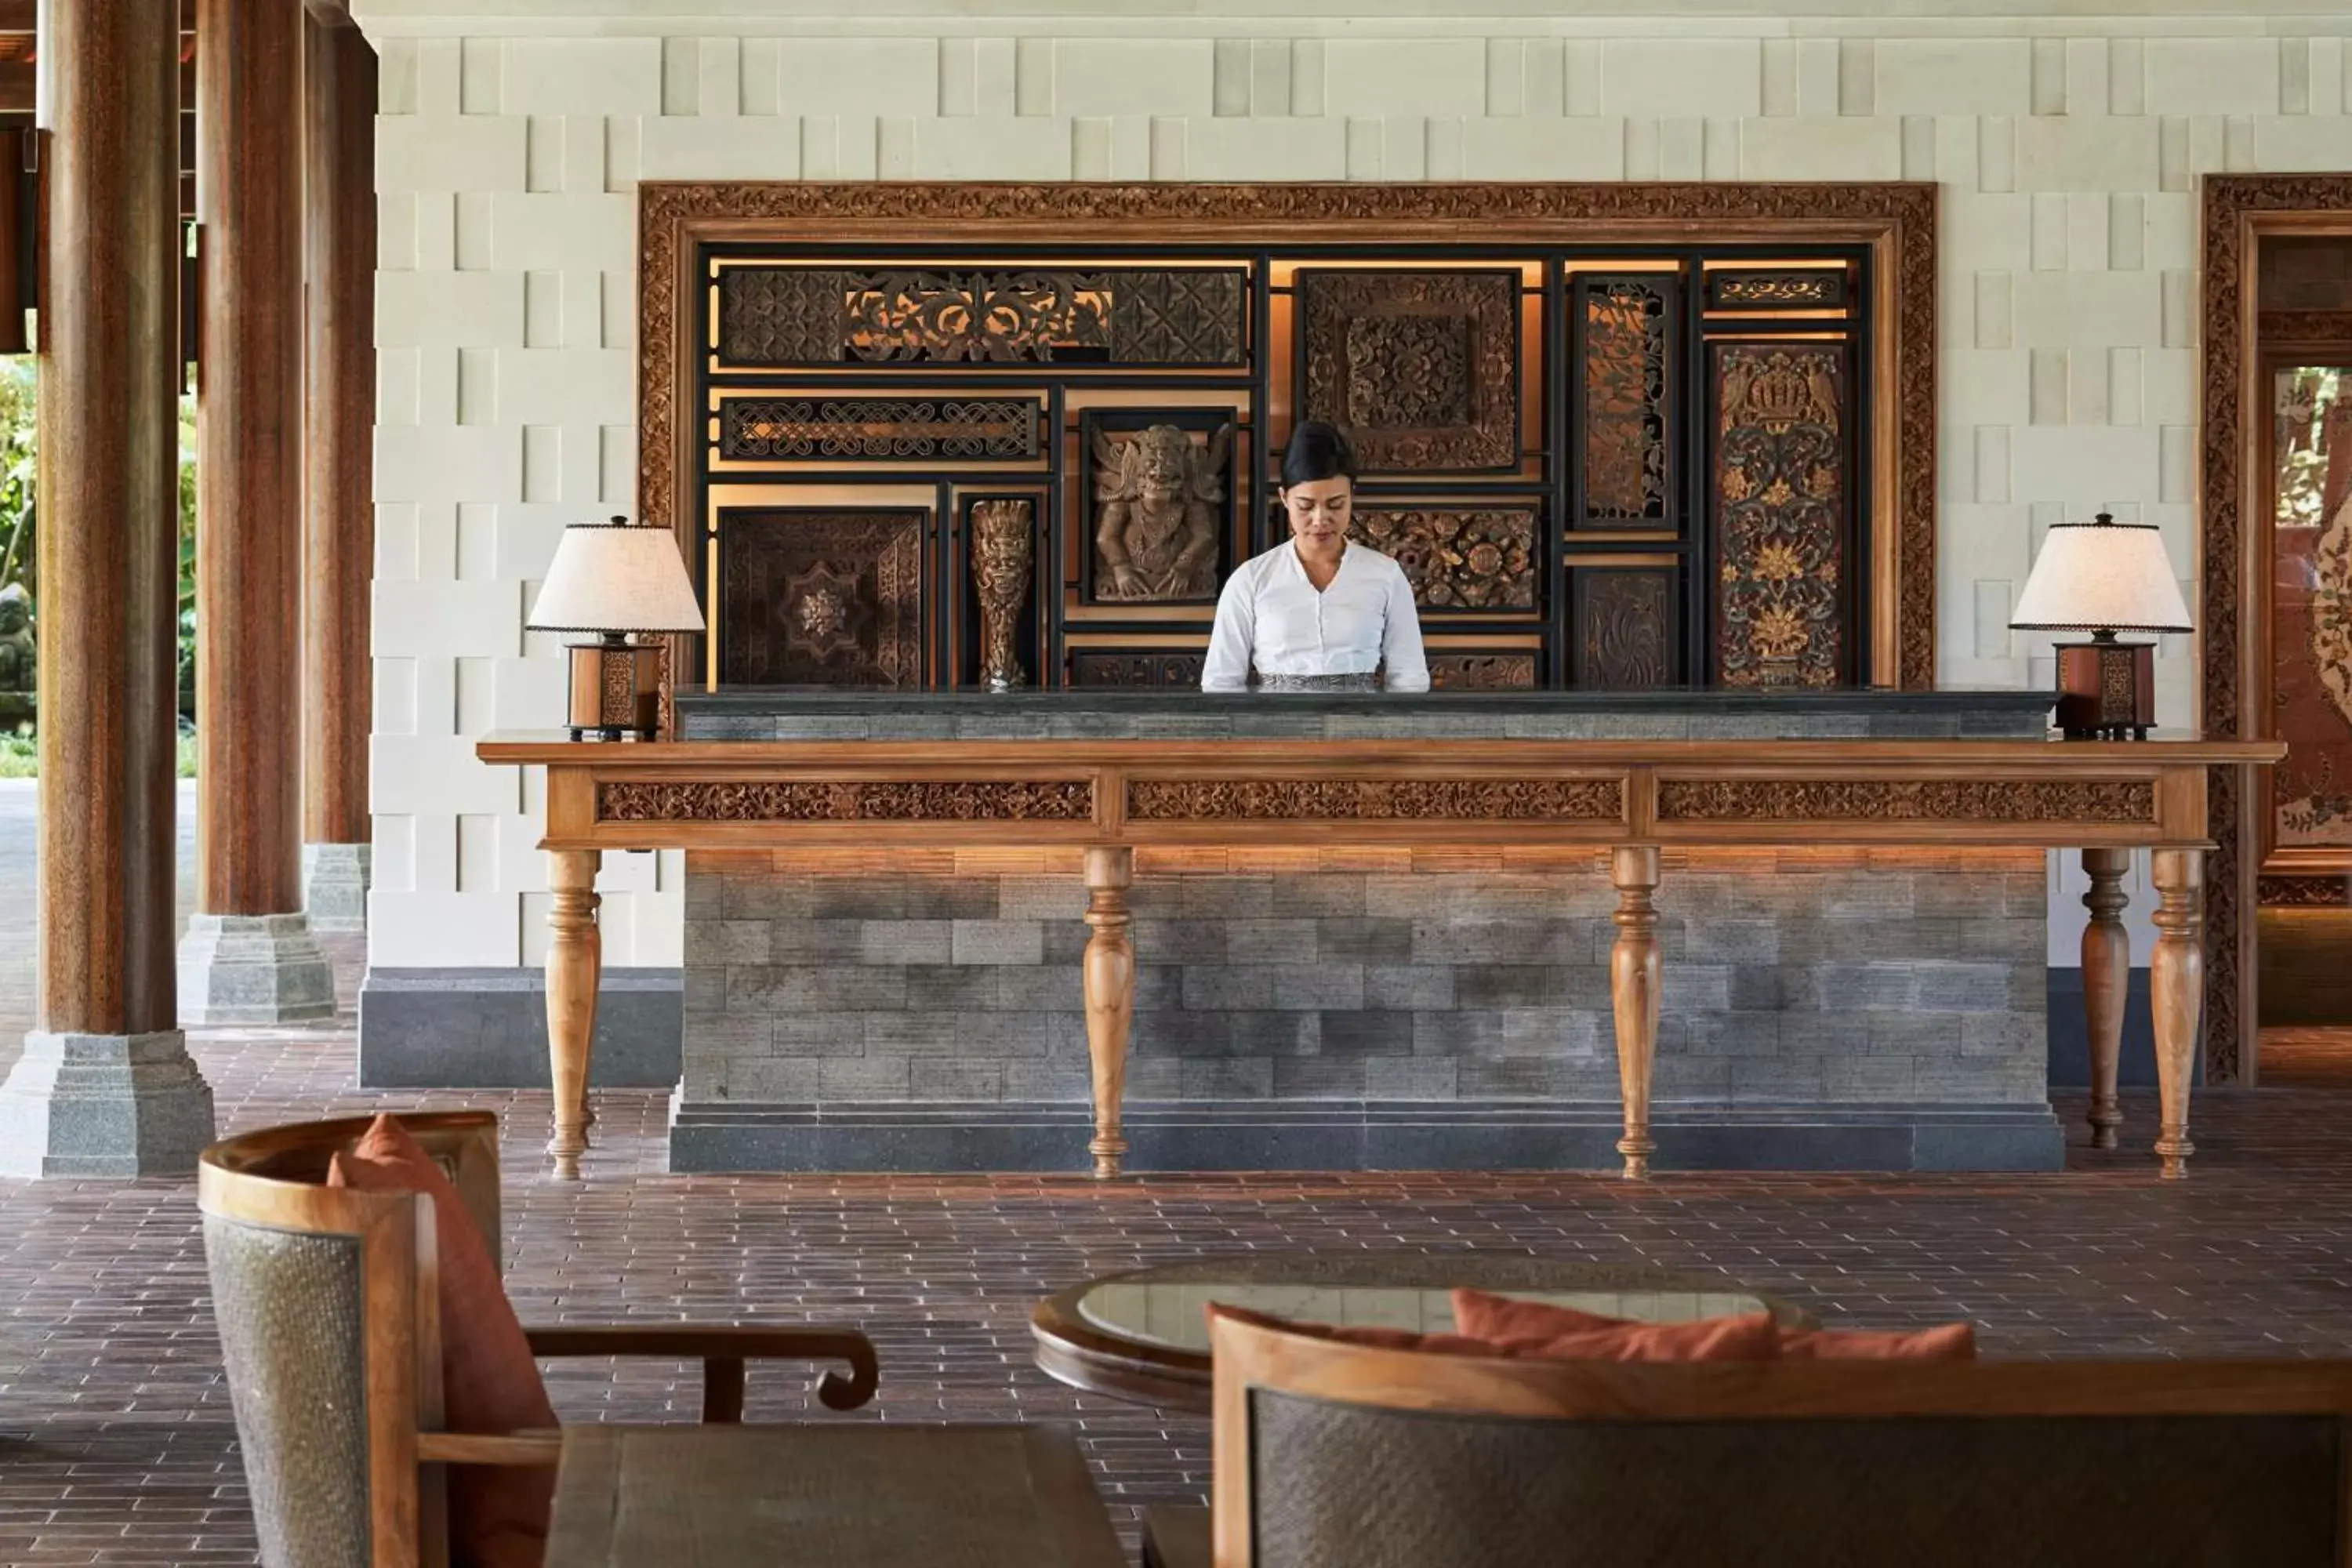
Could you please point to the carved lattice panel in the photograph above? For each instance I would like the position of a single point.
(1421, 369)
(1624, 395)
(1624, 633)
(1460, 558)
(879, 429)
(1776, 289)
(817, 597)
(1782, 474)
(814, 316)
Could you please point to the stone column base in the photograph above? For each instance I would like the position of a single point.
(335, 879)
(253, 968)
(104, 1105)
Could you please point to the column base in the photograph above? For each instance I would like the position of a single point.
(253, 968)
(104, 1105)
(335, 880)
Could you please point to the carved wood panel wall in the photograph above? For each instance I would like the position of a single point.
(1605, 464)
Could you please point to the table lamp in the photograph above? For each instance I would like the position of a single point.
(615, 580)
(2103, 577)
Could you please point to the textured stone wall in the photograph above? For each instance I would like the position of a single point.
(1803, 977)
(514, 135)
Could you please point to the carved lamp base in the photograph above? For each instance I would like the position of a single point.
(2106, 689)
(616, 690)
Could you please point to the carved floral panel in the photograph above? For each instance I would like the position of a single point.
(1465, 558)
(2310, 607)
(1358, 800)
(1625, 336)
(802, 315)
(1905, 800)
(993, 800)
(812, 597)
(1108, 668)
(1421, 369)
(1780, 510)
(1483, 672)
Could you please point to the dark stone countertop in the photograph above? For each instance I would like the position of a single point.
(813, 713)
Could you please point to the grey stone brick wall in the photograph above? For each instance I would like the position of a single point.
(1855, 981)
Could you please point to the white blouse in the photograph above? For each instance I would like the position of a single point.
(1271, 617)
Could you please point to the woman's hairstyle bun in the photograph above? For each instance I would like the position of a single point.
(1318, 450)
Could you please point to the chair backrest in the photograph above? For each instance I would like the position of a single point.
(326, 1299)
(1333, 1453)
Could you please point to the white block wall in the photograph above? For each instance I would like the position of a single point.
(514, 132)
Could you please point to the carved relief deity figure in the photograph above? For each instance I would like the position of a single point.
(1162, 501)
(18, 658)
(1002, 554)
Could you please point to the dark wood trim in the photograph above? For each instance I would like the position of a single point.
(339, 430)
(1896, 219)
(2233, 586)
(249, 459)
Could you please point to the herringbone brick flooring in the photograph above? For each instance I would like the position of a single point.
(116, 1445)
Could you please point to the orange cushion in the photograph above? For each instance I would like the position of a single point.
(1712, 1339)
(489, 1383)
(1484, 1315)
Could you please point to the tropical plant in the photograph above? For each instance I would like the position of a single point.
(19, 509)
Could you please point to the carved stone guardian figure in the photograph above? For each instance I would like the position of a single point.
(1002, 551)
(18, 657)
(1162, 501)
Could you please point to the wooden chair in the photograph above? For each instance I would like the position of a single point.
(330, 1326)
(1328, 1453)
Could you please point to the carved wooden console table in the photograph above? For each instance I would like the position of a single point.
(1629, 798)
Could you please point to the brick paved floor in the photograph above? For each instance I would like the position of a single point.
(115, 1438)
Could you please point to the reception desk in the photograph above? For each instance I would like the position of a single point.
(1613, 794)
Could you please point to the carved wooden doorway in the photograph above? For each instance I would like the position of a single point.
(2303, 346)
(2272, 594)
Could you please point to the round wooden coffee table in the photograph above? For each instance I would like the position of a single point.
(1144, 1336)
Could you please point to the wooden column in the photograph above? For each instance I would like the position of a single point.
(2106, 977)
(249, 457)
(575, 961)
(339, 511)
(2176, 994)
(1111, 997)
(1633, 974)
(105, 1015)
(110, 521)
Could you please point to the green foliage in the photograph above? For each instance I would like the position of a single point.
(18, 562)
(19, 531)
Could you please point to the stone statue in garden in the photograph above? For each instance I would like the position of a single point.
(18, 660)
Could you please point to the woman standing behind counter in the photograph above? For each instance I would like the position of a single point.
(1317, 613)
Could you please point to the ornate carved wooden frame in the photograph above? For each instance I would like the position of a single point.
(1896, 219)
(2234, 693)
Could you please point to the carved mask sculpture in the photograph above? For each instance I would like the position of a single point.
(1162, 507)
(1002, 554)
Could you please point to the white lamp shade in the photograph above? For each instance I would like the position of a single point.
(2103, 576)
(610, 578)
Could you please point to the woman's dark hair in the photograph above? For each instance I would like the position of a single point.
(1318, 451)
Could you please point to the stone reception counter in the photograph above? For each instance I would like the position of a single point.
(1154, 931)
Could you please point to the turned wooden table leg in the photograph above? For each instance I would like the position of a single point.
(2106, 974)
(1634, 971)
(2177, 990)
(574, 959)
(1111, 997)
